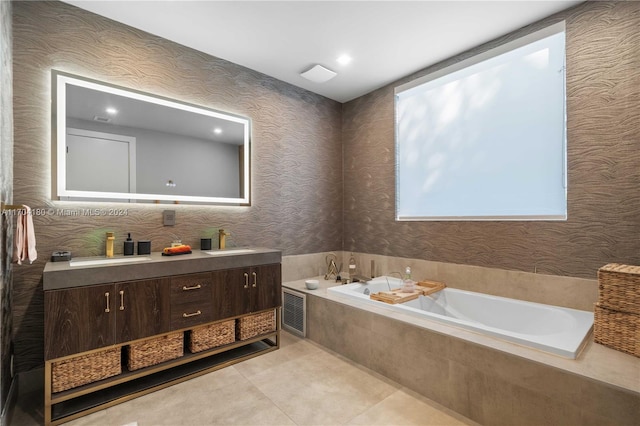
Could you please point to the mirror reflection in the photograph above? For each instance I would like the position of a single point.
(119, 144)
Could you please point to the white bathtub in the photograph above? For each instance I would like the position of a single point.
(553, 329)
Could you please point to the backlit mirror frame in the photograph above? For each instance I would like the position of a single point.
(60, 80)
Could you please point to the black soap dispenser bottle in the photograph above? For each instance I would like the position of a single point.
(128, 246)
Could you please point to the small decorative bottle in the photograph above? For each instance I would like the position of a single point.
(408, 285)
(110, 240)
(352, 266)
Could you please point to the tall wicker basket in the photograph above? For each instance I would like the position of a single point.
(619, 287)
(617, 313)
(617, 330)
(84, 369)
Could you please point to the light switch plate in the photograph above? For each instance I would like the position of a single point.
(169, 217)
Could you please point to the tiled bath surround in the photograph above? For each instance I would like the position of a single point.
(576, 293)
(485, 379)
(484, 384)
(493, 383)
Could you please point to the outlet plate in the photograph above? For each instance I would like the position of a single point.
(169, 217)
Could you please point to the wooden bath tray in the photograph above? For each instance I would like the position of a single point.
(423, 288)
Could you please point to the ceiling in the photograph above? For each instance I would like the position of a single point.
(386, 40)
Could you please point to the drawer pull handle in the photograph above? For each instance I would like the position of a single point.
(185, 315)
(122, 300)
(195, 287)
(246, 280)
(107, 308)
(255, 279)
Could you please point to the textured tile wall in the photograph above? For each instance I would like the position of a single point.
(603, 108)
(6, 189)
(296, 147)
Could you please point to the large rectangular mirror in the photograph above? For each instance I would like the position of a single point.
(117, 144)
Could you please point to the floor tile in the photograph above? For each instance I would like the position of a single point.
(400, 408)
(302, 383)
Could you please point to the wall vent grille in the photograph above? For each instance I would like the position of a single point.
(294, 312)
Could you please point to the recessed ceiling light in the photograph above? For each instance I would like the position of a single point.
(318, 74)
(111, 111)
(217, 130)
(344, 59)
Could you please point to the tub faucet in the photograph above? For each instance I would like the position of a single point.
(393, 273)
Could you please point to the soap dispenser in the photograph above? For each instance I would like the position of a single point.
(110, 240)
(128, 245)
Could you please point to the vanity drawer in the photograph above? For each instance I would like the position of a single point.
(190, 288)
(188, 314)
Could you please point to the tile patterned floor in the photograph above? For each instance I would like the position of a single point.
(300, 384)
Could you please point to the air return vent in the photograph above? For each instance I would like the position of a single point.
(101, 119)
(294, 312)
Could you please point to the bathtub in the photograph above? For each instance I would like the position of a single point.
(553, 329)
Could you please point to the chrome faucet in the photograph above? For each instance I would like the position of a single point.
(393, 273)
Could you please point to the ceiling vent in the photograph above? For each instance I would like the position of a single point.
(318, 74)
(101, 119)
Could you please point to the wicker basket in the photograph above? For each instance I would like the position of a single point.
(255, 325)
(154, 351)
(619, 287)
(212, 336)
(84, 369)
(617, 330)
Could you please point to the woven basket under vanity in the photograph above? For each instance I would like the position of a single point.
(255, 325)
(212, 335)
(617, 313)
(84, 369)
(154, 351)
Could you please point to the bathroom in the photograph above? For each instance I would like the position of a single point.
(322, 171)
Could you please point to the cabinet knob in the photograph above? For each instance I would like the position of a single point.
(122, 300)
(255, 280)
(186, 315)
(246, 280)
(106, 295)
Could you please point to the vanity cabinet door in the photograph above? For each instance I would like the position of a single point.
(142, 309)
(78, 319)
(242, 291)
(266, 287)
(230, 292)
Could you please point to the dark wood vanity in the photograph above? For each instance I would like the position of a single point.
(165, 297)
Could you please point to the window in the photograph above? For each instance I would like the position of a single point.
(485, 139)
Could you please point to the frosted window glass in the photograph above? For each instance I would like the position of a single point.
(485, 141)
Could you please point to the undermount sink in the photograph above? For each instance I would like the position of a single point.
(230, 251)
(107, 261)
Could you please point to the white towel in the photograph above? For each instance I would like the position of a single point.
(25, 238)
